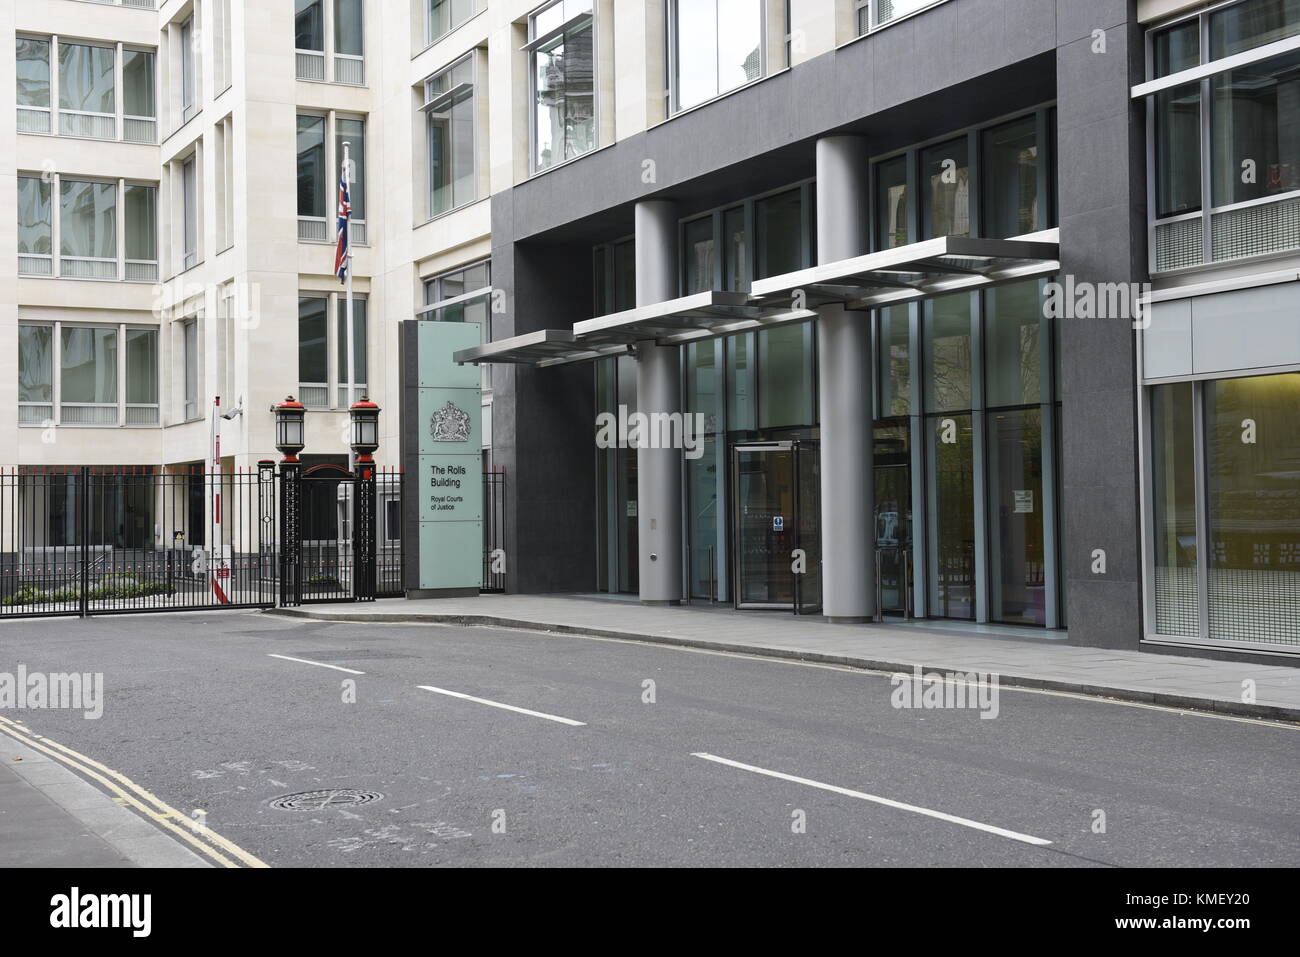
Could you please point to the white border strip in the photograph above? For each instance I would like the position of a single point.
(507, 707)
(938, 815)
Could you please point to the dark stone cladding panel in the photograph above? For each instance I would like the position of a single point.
(1101, 190)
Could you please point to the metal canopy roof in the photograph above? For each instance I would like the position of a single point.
(921, 270)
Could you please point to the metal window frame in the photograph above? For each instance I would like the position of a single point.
(573, 24)
(432, 108)
(671, 26)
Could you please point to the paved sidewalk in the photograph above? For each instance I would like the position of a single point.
(1035, 662)
(50, 817)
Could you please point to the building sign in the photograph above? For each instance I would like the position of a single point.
(1024, 501)
(442, 423)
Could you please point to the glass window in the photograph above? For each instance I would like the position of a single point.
(945, 173)
(141, 216)
(1010, 173)
(785, 380)
(353, 131)
(735, 251)
(564, 102)
(311, 166)
(86, 78)
(741, 366)
(1017, 579)
(895, 361)
(359, 339)
(35, 364)
(1176, 49)
(88, 372)
(450, 109)
(309, 25)
(313, 354)
(1173, 508)
(33, 63)
(1013, 345)
(704, 382)
(889, 10)
(138, 83)
(443, 16)
(892, 223)
(950, 492)
(1255, 135)
(718, 47)
(699, 254)
(1252, 459)
(189, 69)
(624, 275)
(348, 28)
(189, 212)
(190, 346)
(1254, 23)
(142, 366)
(778, 222)
(35, 233)
(1178, 150)
(88, 220)
(947, 343)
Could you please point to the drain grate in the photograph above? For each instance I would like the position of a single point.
(320, 800)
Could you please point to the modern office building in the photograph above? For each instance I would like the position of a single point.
(988, 307)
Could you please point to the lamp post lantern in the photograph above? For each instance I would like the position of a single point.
(365, 430)
(290, 428)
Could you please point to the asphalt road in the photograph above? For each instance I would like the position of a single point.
(200, 712)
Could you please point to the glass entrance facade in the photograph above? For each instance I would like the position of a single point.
(964, 410)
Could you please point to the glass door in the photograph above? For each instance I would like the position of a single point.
(893, 517)
(776, 518)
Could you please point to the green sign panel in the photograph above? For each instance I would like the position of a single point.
(450, 468)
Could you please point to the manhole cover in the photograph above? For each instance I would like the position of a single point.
(319, 800)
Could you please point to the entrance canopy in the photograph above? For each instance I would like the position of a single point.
(924, 270)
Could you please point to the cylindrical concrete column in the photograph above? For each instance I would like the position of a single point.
(659, 390)
(844, 392)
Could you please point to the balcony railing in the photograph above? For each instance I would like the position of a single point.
(87, 125)
(1259, 227)
(346, 68)
(88, 413)
(314, 395)
(313, 229)
(99, 126)
(87, 267)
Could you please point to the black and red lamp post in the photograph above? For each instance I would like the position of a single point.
(365, 440)
(365, 433)
(290, 439)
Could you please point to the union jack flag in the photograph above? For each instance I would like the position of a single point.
(345, 216)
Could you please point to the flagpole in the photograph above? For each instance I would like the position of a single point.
(351, 359)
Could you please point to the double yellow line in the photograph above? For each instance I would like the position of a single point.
(127, 792)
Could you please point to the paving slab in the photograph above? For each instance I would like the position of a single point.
(1027, 661)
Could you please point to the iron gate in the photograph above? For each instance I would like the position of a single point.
(328, 534)
(88, 540)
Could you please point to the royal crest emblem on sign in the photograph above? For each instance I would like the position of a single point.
(450, 424)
